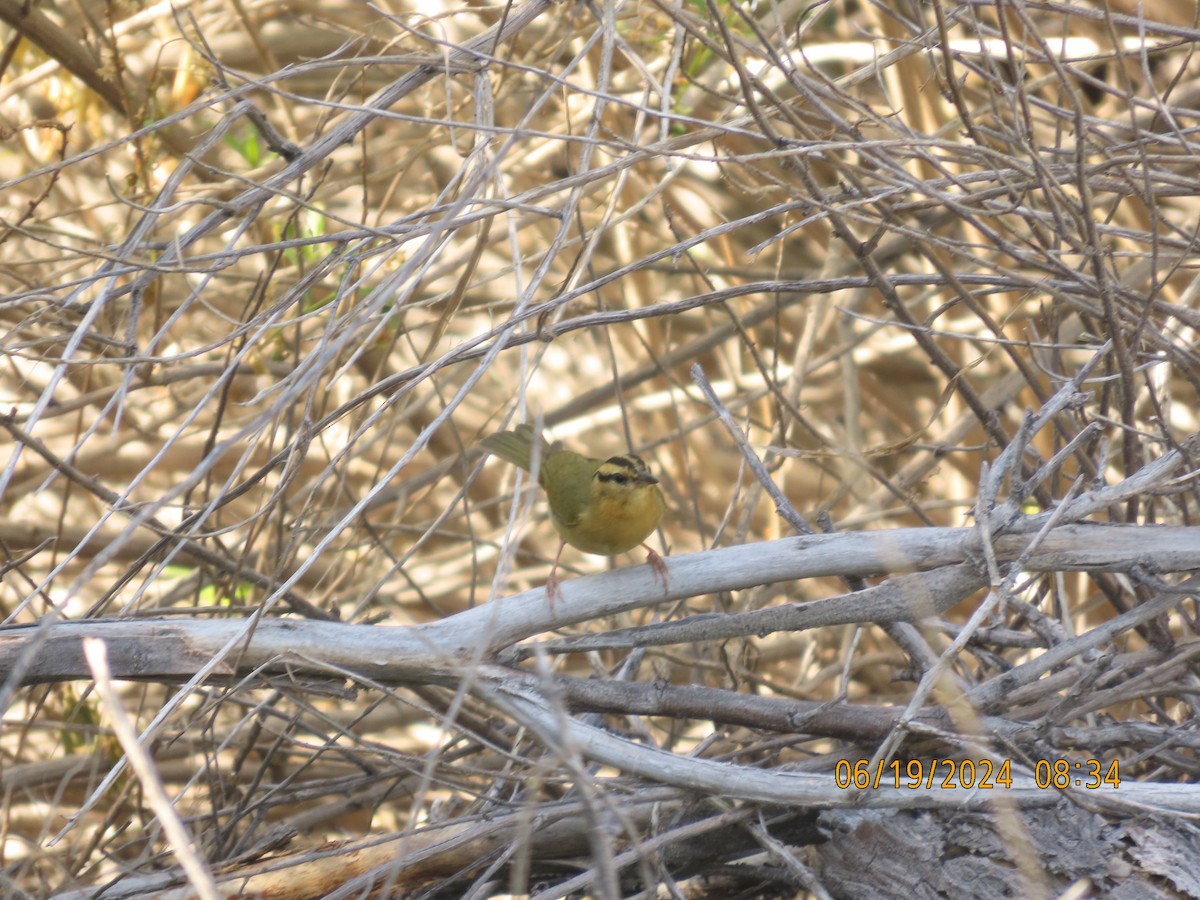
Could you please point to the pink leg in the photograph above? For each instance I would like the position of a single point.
(660, 567)
(552, 590)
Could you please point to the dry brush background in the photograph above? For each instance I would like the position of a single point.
(899, 300)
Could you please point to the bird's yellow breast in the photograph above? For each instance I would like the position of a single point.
(616, 518)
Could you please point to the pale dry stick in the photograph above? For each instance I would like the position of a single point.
(903, 598)
(783, 506)
(786, 787)
(181, 842)
(92, 313)
(174, 650)
(655, 844)
(846, 722)
(160, 378)
(477, 346)
(1150, 476)
(590, 144)
(413, 266)
(1148, 680)
(163, 534)
(788, 856)
(73, 50)
(902, 632)
(994, 397)
(987, 695)
(1008, 463)
(496, 347)
(143, 513)
(988, 488)
(847, 674)
(866, 54)
(1000, 590)
(142, 517)
(252, 198)
(595, 803)
(246, 629)
(351, 869)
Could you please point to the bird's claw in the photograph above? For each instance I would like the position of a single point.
(660, 567)
(552, 591)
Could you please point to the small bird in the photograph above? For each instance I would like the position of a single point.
(600, 506)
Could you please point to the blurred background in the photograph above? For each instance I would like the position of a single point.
(271, 270)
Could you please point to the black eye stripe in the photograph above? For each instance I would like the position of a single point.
(632, 463)
(629, 468)
(618, 477)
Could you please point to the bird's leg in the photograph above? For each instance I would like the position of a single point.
(552, 590)
(660, 567)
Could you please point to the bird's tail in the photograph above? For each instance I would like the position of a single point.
(516, 446)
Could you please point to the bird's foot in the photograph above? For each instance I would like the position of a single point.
(660, 567)
(552, 590)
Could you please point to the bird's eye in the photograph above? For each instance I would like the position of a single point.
(621, 479)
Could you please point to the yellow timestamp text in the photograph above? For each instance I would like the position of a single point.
(982, 774)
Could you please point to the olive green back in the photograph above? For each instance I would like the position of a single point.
(569, 472)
